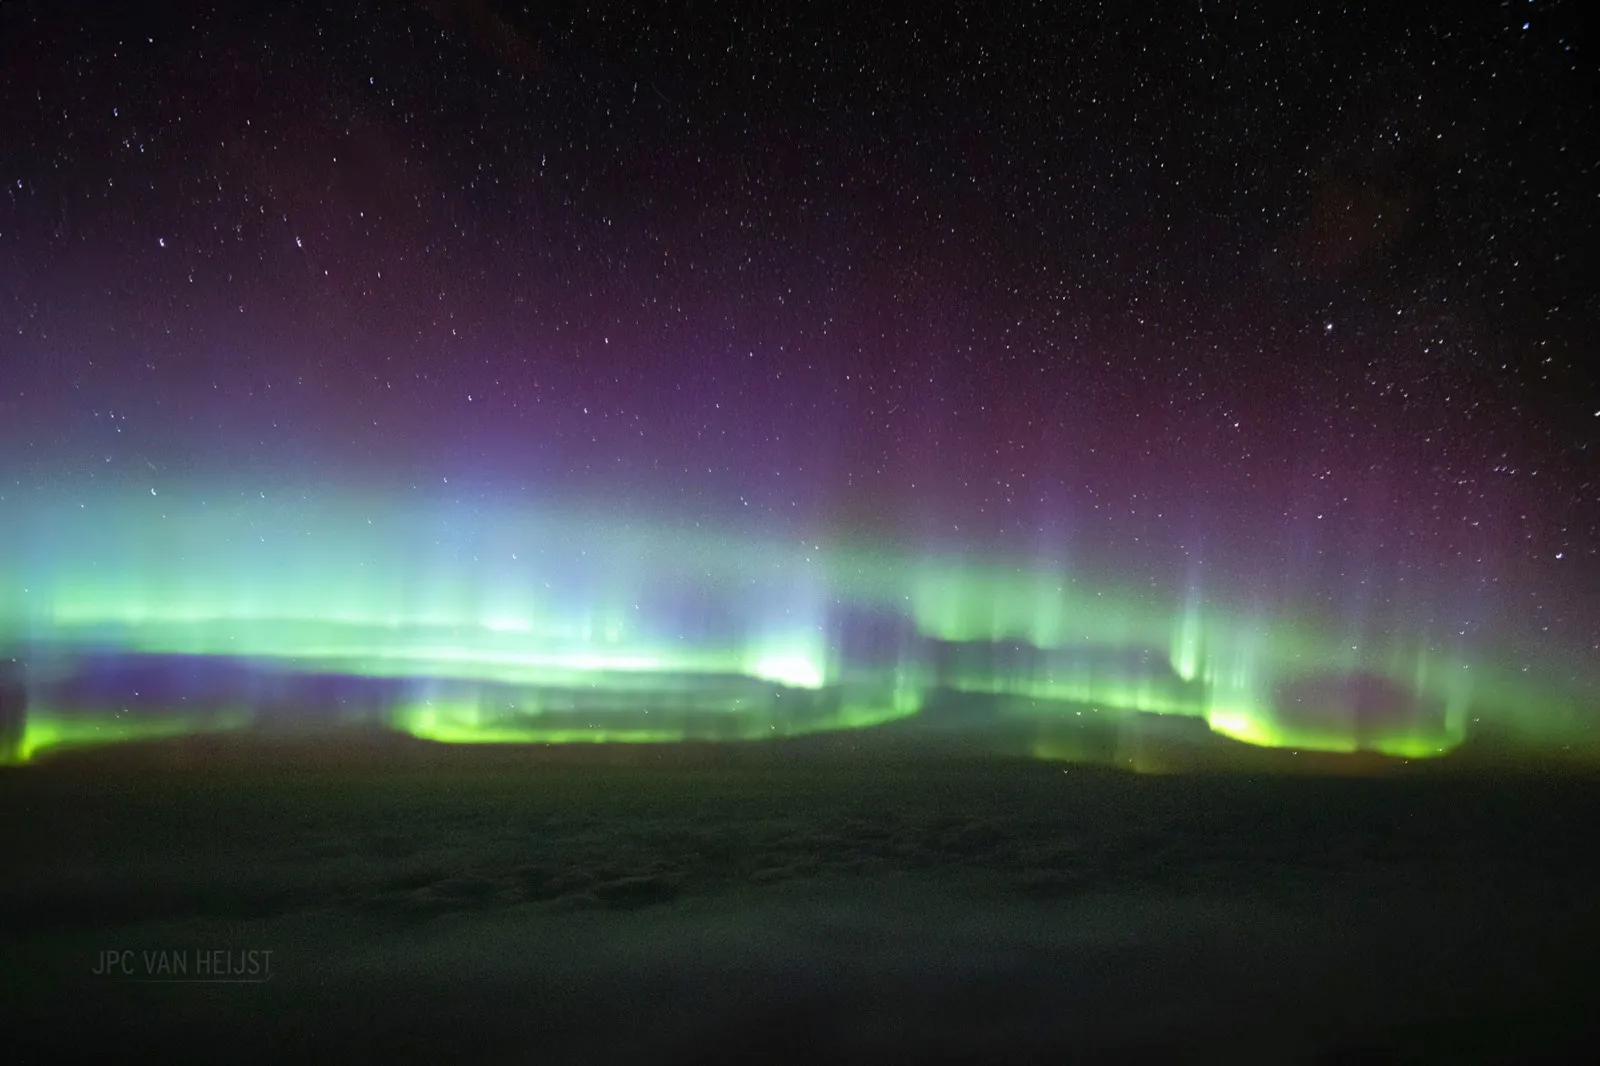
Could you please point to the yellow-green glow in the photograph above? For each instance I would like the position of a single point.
(46, 732)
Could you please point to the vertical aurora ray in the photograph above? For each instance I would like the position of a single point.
(501, 626)
(1187, 650)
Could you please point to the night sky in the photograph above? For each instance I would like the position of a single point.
(1282, 296)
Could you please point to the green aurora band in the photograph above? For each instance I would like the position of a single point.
(497, 625)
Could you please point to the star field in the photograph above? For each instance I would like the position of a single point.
(1296, 300)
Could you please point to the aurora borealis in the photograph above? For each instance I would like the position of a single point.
(537, 376)
(811, 531)
(141, 617)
